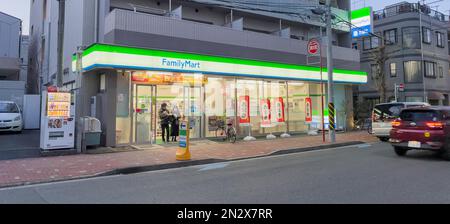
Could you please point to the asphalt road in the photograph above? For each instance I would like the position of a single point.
(363, 174)
(17, 146)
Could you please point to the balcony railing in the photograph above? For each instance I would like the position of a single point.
(408, 8)
(127, 20)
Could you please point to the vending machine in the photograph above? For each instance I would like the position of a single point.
(57, 121)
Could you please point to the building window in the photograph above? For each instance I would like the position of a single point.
(441, 72)
(375, 41)
(374, 70)
(440, 39)
(390, 37)
(414, 99)
(426, 35)
(430, 69)
(371, 43)
(413, 71)
(393, 69)
(411, 37)
(366, 43)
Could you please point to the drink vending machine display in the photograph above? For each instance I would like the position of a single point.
(57, 121)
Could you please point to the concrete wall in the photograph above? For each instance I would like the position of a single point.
(12, 91)
(10, 31)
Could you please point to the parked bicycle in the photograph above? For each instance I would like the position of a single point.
(226, 133)
(364, 124)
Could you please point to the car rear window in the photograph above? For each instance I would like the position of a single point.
(420, 115)
(387, 111)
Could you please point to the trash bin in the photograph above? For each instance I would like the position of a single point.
(92, 131)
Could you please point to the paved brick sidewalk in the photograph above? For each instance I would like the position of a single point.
(35, 170)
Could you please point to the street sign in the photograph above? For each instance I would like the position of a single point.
(183, 152)
(313, 47)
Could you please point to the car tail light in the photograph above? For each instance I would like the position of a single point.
(435, 124)
(396, 123)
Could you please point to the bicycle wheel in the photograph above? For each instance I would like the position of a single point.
(232, 135)
(220, 133)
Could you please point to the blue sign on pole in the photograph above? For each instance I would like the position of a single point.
(362, 22)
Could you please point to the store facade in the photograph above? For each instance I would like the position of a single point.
(259, 97)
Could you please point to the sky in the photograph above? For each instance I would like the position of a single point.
(21, 8)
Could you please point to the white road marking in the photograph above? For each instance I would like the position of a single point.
(213, 166)
(364, 146)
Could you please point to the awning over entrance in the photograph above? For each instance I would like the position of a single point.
(119, 57)
(436, 95)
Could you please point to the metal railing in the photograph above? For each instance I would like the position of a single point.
(408, 8)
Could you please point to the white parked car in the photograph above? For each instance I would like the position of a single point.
(383, 115)
(10, 117)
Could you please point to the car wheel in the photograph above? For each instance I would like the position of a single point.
(384, 139)
(400, 151)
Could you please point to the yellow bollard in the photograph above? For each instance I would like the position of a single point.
(183, 152)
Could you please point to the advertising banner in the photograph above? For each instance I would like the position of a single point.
(266, 118)
(308, 110)
(279, 110)
(167, 78)
(244, 110)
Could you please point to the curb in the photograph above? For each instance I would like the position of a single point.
(142, 169)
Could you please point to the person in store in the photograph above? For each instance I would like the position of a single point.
(175, 123)
(164, 116)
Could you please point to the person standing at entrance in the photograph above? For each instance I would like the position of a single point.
(164, 116)
(175, 123)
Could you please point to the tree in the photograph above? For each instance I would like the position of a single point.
(379, 56)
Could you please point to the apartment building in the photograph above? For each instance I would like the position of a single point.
(415, 40)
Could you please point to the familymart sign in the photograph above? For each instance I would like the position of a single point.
(362, 21)
(109, 56)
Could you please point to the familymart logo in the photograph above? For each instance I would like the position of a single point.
(181, 64)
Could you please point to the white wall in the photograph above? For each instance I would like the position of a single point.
(9, 36)
(12, 91)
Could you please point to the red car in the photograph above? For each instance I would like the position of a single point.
(422, 128)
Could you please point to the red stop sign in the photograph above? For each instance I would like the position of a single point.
(313, 46)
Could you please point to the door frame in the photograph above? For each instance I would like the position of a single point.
(201, 100)
(133, 136)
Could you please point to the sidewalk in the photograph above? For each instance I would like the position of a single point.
(47, 169)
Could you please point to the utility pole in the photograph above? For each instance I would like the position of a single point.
(331, 108)
(60, 60)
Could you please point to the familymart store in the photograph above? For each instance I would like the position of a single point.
(130, 85)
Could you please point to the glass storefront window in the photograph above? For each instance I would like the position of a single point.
(297, 93)
(250, 88)
(275, 91)
(207, 100)
(219, 103)
(315, 92)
